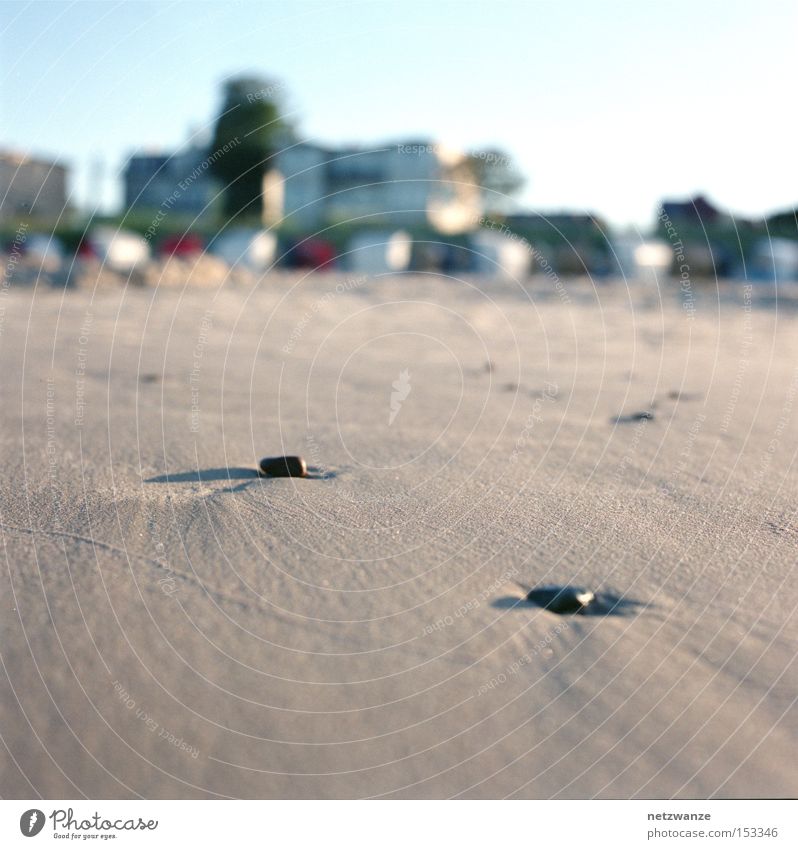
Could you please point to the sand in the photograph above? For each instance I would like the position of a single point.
(174, 626)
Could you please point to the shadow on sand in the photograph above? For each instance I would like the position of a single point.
(231, 473)
(604, 604)
(642, 416)
(223, 473)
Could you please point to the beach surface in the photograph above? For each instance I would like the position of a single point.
(176, 626)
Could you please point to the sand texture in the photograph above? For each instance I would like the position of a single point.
(175, 626)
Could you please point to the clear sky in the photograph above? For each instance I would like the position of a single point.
(605, 106)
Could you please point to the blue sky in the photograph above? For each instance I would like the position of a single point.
(605, 106)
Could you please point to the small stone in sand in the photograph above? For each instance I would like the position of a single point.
(562, 600)
(643, 415)
(284, 467)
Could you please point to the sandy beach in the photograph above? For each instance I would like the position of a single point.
(176, 626)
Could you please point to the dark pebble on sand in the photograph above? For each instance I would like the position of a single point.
(569, 600)
(643, 415)
(562, 600)
(284, 467)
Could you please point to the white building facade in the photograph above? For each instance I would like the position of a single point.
(312, 186)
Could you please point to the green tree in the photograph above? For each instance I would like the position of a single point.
(248, 132)
(498, 177)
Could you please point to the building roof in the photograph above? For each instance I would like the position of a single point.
(695, 209)
(18, 157)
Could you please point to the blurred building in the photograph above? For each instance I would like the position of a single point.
(31, 187)
(707, 241)
(179, 182)
(694, 211)
(569, 242)
(416, 183)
